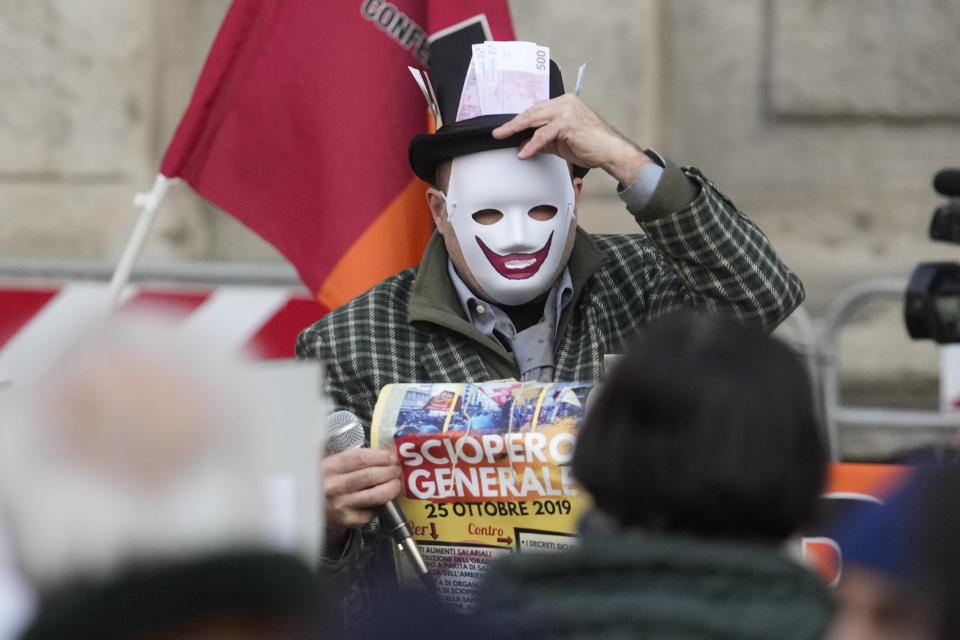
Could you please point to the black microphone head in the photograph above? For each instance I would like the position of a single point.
(344, 431)
(947, 182)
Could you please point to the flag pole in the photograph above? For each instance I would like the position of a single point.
(148, 203)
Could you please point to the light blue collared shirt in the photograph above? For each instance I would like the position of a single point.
(533, 347)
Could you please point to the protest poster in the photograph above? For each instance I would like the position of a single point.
(486, 472)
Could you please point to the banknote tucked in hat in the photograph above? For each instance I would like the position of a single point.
(472, 90)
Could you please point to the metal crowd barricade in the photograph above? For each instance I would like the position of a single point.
(839, 311)
(806, 344)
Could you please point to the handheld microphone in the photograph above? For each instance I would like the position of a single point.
(344, 431)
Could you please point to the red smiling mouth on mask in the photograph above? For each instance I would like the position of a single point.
(517, 266)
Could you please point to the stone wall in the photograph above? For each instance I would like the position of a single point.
(824, 119)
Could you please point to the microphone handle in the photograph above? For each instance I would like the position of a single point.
(397, 526)
(394, 522)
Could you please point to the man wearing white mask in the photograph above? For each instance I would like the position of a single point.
(512, 221)
(510, 286)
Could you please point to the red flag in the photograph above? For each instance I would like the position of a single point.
(299, 127)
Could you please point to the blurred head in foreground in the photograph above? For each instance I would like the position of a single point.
(702, 455)
(706, 426)
(144, 460)
(901, 567)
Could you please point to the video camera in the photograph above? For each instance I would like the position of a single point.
(931, 309)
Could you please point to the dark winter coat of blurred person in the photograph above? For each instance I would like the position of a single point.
(703, 455)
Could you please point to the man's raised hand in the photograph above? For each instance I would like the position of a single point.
(567, 127)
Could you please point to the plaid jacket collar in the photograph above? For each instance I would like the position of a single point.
(433, 298)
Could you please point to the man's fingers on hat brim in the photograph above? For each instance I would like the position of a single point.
(522, 122)
(508, 129)
(535, 117)
(539, 140)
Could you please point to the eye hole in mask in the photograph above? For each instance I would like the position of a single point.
(487, 216)
(540, 213)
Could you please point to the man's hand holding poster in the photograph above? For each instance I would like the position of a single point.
(486, 471)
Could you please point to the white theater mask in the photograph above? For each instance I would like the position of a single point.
(513, 220)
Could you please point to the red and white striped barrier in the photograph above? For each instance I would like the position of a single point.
(263, 320)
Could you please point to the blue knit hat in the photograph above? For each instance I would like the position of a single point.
(885, 536)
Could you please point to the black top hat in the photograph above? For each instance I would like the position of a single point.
(449, 61)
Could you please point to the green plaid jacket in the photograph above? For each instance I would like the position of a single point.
(410, 327)
(699, 253)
